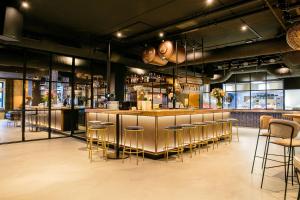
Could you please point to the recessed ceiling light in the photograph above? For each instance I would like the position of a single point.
(25, 4)
(244, 27)
(208, 2)
(161, 34)
(119, 34)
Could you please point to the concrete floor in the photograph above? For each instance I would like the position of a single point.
(60, 169)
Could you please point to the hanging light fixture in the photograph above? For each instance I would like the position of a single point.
(283, 70)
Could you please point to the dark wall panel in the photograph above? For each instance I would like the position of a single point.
(292, 83)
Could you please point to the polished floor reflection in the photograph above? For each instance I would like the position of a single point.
(60, 169)
(11, 132)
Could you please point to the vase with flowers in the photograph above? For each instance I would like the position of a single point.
(218, 94)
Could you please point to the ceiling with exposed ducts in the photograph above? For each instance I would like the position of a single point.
(79, 27)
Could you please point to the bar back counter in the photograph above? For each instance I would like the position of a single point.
(153, 122)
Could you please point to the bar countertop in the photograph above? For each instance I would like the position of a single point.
(163, 112)
(171, 112)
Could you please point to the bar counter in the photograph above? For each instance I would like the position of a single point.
(37, 118)
(154, 122)
(250, 118)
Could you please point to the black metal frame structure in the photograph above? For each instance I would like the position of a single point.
(50, 67)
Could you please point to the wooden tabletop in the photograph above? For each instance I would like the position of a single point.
(293, 115)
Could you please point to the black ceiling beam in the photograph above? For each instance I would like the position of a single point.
(215, 22)
(276, 15)
(226, 8)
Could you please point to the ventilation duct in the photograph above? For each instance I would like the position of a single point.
(11, 23)
(291, 60)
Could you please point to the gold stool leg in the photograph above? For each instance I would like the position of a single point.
(137, 148)
(190, 138)
(130, 148)
(237, 131)
(206, 133)
(199, 137)
(91, 149)
(124, 146)
(194, 130)
(143, 147)
(231, 124)
(213, 136)
(167, 145)
(181, 142)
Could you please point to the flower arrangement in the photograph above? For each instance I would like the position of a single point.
(218, 93)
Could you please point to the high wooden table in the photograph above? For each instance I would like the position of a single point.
(294, 116)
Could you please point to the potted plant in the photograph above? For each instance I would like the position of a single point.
(218, 93)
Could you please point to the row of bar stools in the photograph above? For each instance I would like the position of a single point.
(177, 134)
(202, 134)
(129, 132)
(189, 130)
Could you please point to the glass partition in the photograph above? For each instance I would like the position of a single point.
(275, 99)
(36, 95)
(243, 100)
(258, 99)
(206, 101)
(230, 100)
(292, 100)
(259, 93)
(11, 94)
(242, 86)
(259, 85)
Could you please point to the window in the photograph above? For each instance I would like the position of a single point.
(229, 100)
(243, 100)
(274, 85)
(292, 100)
(206, 100)
(275, 99)
(259, 85)
(205, 95)
(256, 91)
(229, 87)
(258, 99)
(242, 86)
(2, 94)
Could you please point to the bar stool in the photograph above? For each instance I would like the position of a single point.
(91, 124)
(177, 134)
(111, 127)
(190, 131)
(129, 131)
(214, 138)
(283, 133)
(226, 127)
(234, 122)
(202, 134)
(96, 133)
(297, 170)
(264, 121)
